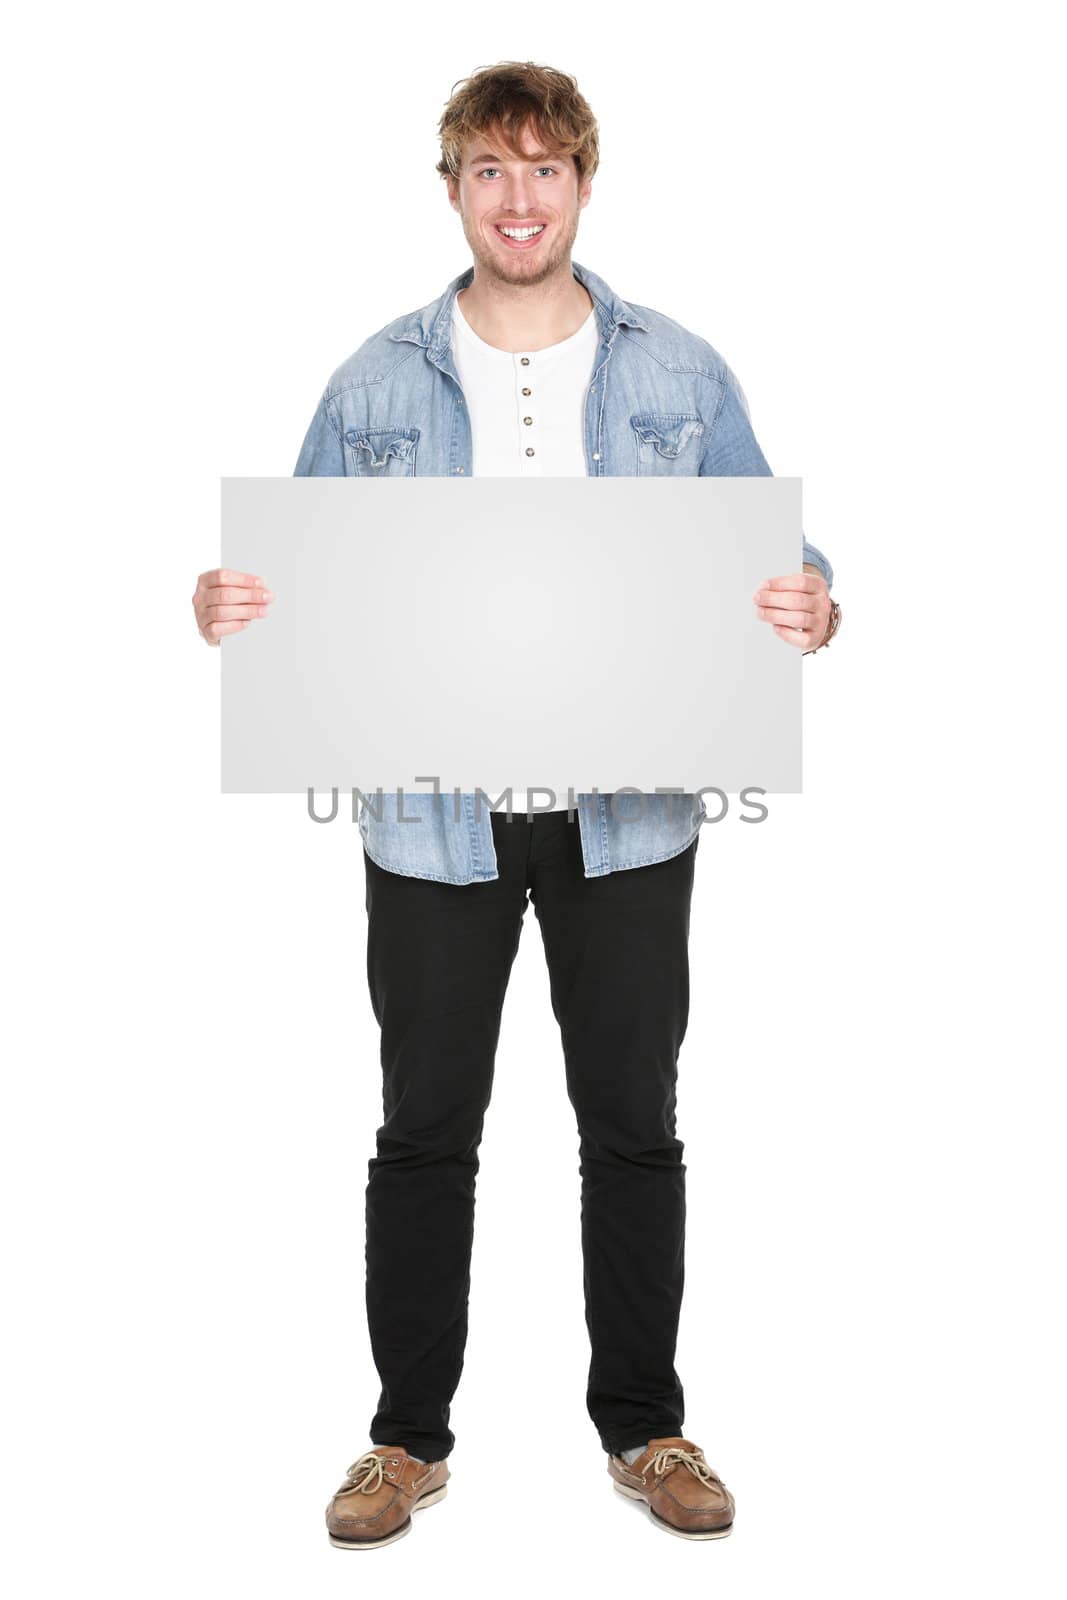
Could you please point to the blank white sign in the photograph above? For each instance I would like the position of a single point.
(591, 633)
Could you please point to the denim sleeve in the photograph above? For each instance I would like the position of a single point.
(732, 452)
(322, 454)
(815, 558)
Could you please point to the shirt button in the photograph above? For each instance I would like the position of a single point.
(459, 469)
(524, 361)
(527, 391)
(527, 420)
(596, 455)
(529, 451)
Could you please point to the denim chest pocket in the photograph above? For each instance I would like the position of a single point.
(667, 443)
(382, 452)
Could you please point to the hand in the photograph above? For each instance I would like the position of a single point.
(225, 602)
(797, 607)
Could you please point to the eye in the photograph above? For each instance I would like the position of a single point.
(486, 171)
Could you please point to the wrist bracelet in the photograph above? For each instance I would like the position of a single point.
(832, 624)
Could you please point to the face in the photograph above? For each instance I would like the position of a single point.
(538, 196)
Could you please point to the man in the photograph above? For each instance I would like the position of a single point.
(529, 365)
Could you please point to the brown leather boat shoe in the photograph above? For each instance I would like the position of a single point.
(681, 1492)
(374, 1505)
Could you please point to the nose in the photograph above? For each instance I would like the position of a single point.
(520, 196)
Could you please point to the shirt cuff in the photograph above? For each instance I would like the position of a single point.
(815, 558)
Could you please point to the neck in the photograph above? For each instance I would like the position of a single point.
(515, 316)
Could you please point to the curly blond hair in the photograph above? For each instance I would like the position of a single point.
(502, 99)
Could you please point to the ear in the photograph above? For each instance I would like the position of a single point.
(453, 191)
(585, 193)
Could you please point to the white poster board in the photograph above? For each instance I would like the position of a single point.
(596, 633)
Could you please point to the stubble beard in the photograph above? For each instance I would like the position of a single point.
(523, 276)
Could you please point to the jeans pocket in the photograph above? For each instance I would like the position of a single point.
(383, 452)
(667, 443)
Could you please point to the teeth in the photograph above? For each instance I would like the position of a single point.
(523, 233)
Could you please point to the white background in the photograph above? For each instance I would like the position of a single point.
(209, 209)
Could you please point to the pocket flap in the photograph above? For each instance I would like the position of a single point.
(384, 442)
(670, 432)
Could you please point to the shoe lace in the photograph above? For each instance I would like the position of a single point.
(673, 1455)
(366, 1474)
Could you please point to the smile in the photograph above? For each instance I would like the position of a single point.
(519, 238)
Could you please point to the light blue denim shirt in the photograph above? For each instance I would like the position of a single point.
(661, 403)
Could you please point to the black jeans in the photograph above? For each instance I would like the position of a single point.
(438, 960)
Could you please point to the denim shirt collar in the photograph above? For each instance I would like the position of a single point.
(431, 327)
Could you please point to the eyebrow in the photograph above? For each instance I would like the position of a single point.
(541, 155)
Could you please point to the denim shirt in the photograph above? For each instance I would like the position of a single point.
(661, 402)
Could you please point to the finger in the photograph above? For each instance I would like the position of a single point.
(232, 595)
(214, 631)
(232, 613)
(227, 575)
(788, 619)
(806, 638)
(804, 582)
(789, 600)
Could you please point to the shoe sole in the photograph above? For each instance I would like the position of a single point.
(398, 1533)
(668, 1527)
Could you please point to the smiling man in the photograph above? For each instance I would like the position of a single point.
(529, 365)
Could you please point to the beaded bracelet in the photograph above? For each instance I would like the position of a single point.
(832, 625)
